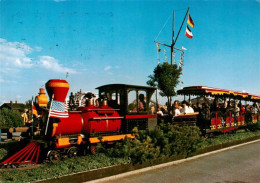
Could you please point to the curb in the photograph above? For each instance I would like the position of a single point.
(111, 178)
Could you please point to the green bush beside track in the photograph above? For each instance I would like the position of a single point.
(163, 142)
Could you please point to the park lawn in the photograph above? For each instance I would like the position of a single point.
(84, 163)
(58, 169)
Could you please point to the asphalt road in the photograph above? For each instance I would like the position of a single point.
(238, 165)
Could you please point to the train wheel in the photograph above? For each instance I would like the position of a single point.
(54, 156)
(72, 152)
(93, 149)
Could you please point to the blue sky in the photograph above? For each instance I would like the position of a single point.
(103, 42)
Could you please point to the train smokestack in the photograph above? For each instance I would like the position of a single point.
(59, 88)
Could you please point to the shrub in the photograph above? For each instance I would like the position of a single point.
(164, 140)
(10, 118)
(253, 127)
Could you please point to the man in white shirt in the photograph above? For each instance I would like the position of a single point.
(185, 109)
(190, 108)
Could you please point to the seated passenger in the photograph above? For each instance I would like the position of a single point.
(190, 108)
(236, 110)
(185, 109)
(141, 103)
(205, 113)
(223, 109)
(152, 110)
(97, 103)
(176, 111)
(242, 109)
(159, 111)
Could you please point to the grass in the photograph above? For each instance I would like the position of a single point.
(221, 139)
(83, 163)
(55, 170)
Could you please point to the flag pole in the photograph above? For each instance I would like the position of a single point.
(173, 42)
(181, 26)
(47, 124)
(32, 117)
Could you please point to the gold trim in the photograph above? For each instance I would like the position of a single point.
(55, 125)
(63, 141)
(215, 92)
(110, 138)
(58, 84)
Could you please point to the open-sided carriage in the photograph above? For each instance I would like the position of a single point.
(221, 118)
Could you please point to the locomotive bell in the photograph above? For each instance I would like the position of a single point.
(59, 88)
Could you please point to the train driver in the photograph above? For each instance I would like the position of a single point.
(141, 103)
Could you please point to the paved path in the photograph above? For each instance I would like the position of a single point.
(238, 165)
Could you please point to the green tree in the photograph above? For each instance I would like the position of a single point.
(165, 77)
(10, 118)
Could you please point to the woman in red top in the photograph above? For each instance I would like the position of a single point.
(242, 109)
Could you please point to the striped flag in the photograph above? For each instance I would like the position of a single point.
(188, 32)
(34, 110)
(59, 110)
(190, 21)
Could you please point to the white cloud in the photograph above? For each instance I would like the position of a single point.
(14, 54)
(14, 57)
(107, 68)
(52, 64)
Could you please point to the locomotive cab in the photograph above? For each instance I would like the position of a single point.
(134, 103)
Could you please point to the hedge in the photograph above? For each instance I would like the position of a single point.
(165, 141)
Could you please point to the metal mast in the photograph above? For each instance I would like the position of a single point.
(172, 45)
(174, 41)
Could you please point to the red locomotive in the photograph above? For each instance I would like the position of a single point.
(66, 132)
(90, 124)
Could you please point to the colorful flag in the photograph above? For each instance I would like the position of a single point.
(59, 110)
(188, 33)
(34, 110)
(190, 21)
(158, 49)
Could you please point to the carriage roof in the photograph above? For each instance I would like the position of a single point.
(210, 91)
(125, 87)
